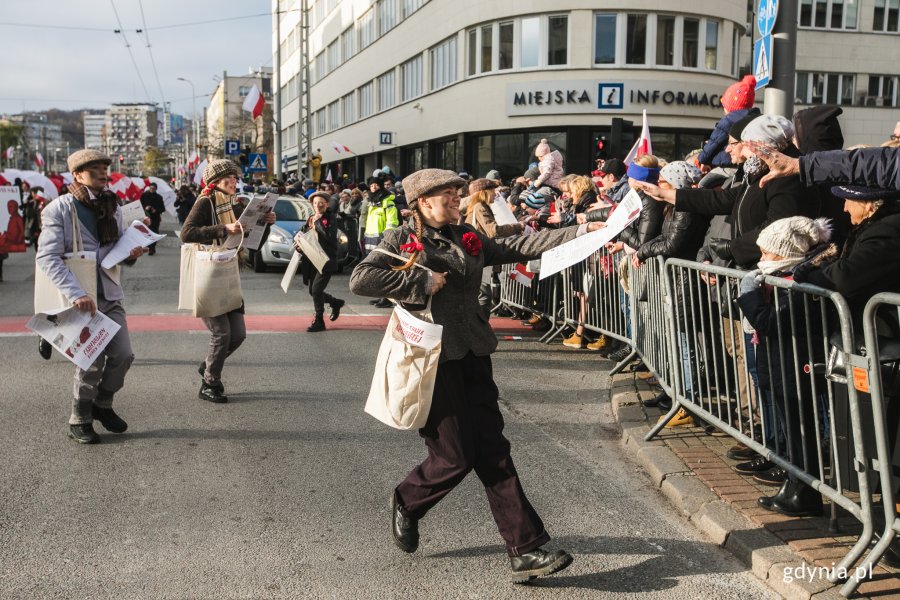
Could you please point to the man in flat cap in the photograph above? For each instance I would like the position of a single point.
(91, 210)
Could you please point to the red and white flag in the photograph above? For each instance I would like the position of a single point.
(643, 145)
(254, 102)
(38, 159)
(194, 159)
(8, 154)
(340, 148)
(328, 176)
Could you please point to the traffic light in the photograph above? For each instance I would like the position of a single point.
(121, 159)
(600, 150)
(244, 157)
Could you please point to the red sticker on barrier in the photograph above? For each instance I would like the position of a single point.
(861, 380)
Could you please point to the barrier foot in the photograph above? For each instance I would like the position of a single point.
(833, 525)
(618, 368)
(850, 559)
(548, 337)
(865, 568)
(676, 406)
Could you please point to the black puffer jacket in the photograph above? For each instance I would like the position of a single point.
(647, 226)
(681, 237)
(751, 210)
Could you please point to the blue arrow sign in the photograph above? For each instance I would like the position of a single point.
(762, 61)
(766, 14)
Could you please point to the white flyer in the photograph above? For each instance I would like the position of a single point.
(75, 333)
(570, 253)
(502, 213)
(290, 272)
(136, 235)
(253, 220)
(133, 211)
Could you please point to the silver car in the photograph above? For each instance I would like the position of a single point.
(290, 215)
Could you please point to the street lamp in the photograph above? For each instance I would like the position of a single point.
(193, 111)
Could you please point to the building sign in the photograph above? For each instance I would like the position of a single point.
(613, 96)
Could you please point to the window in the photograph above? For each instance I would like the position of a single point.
(348, 108)
(530, 42)
(472, 37)
(735, 52)
(243, 91)
(825, 88)
(445, 155)
(604, 39)
(320, 122)
(712, 45)
(443, 64)
(690, 42)
(366, 29)
(321, 66)
(882, 90)
(366, 100)
(487, 48)
(665, 40)
(558, 40)
(347, 47)
(887, 16)
(506, 45)
(411, 6)
(334, 59)
(831, 14)
(387, 15)
(411, 79)
(334, 115)
(636, 40)
(386, 91)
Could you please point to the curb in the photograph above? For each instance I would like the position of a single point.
(761, 551)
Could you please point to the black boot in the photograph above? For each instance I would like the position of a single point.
(202, 369)
(45, 349)
(781, 494)
(110, 420)
(538, 563)
(383, 303)
(659, 400)
(336, 304)
(404, 529)
(213, 393)
(84, 434)
(795, 499)
(318, 324)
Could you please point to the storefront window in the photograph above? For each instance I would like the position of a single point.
(445, 155)
(636, 46)
(604, 39)
(413, 159)
(558, 40)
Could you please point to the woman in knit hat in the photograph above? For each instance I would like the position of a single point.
(774, 315)
(212, 219)
(737, 102)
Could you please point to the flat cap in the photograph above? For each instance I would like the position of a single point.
(220, 168)
(480, 185)
(78, 160)
(421, 182)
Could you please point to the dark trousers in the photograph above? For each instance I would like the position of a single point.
(465, 432)
(154, 227)
(317, 287)
(228, 333)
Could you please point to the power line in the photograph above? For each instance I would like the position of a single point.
(173, 26)
(150, 51)
(128, 47)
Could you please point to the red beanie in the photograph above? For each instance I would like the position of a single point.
(740, 95)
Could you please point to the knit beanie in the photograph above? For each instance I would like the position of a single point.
(542, 148)
(737, 129)
(793, 237)
(774, 130)
(218, 169)
(740, 95)
(680, 174)
(493, 174)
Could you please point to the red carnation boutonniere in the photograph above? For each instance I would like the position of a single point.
(324, 222)
(414, 245)
(471, 244)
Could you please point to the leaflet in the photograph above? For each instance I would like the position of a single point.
(502, 213)
(75, 333)
(136, 235)
(570, 253)
(133, 211)
(290, 272)
(253, 221)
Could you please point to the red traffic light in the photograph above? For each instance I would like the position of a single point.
(121, 158)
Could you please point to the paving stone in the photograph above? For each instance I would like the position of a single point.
(717, 519)
(686, 493)
(793, 587)
(659, 462)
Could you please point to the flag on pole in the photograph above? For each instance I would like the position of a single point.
(328, 176)
(340, 148)
(8, 154)
(643, 145)
(254, 102)
(198, 175)
(38, 160)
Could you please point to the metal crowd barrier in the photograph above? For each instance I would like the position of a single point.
(778, 391)
(526, 291)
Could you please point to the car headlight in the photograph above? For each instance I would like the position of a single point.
(277, 235)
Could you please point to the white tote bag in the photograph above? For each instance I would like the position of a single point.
(311, 249)
(83, 266)
(210, 282)
(406, 367)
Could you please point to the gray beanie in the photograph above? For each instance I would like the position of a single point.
(680, 174)
(493, 174)
(793, 237)
(769, 129)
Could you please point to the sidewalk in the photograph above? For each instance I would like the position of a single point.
(691, 470)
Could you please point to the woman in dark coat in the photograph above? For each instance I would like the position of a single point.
(325, 223)
(464, 430)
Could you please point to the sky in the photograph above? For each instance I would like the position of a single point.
(60, 62)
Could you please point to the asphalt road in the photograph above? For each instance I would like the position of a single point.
(283, 493)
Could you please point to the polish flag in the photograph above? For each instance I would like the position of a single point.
(328, 176)
(38, 159)
(254, 102)
(642, 146)
(8, 154)
(198, 174)
(194, 159)
(340, 148)
(521, 275)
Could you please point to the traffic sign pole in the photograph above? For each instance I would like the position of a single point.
(779, 95)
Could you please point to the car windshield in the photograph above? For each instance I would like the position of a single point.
(285, 210)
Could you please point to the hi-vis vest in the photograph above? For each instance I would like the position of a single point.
(379, 219)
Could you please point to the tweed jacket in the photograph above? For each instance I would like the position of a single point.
(57, 239)
(455, 306)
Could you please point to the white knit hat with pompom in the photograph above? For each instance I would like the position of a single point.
(794, 237)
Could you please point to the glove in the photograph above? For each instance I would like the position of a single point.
(721, 248)
(750, 282)
(531, 187)
(801, 272)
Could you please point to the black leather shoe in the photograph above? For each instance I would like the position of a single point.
(202, 369)
(383, 303)
(620, 354)
(660, 398)
(766, 501)
(404, 529)
(774, 476)
(110, 420)
(538, 563)
(213, 393)
(318, 324)
(84, 434)
(375, 301)
(796, 499)
(740, 452)
(45, 349)
(757, 465)
(336, 307)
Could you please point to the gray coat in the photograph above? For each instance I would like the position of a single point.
(57, 238)
(455, 306)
